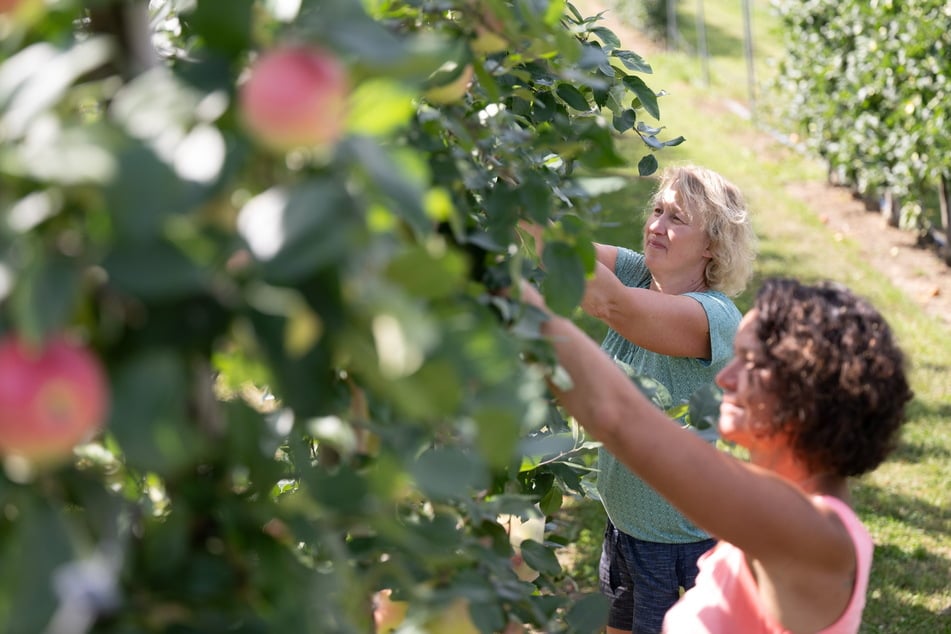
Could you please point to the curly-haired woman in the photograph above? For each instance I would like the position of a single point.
(816, 393)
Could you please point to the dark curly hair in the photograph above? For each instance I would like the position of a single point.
(838, 372)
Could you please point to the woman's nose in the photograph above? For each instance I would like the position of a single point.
(726, 378)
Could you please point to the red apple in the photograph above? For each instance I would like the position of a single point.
(295, 96)
(51, 398)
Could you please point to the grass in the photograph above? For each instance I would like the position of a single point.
(905, 503)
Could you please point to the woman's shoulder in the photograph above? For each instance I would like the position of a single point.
(717, 305)
(631, 268)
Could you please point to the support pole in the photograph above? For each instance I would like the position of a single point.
(748, 46)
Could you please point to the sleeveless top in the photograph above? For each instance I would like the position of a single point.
(725, 599)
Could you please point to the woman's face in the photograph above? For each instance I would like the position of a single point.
(747, 404)
(674, 239)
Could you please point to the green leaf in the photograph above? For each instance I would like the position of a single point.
(427, 275)
(148, 418)
(449, 473)
(226, 31)
(646, 96)
(35, 545)
(625, 120)
(390, 172)
(610, 39)
(647, 165)
(704, 407)
(45, 294)
(155, 270)
(499, 431)
(540, 557)
(343, 491)
(564, 282)
(293, 231)
(633, 61)
(588, 614)
(145, 192)
(573, 97)
(379, 107)
(551, 501)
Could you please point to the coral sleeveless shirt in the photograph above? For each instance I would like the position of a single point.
(725, 599)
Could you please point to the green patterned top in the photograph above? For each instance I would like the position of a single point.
(632, 506)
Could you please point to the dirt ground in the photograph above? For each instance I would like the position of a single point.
(919, 271)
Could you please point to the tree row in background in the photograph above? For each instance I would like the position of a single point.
(869, 84)
(257, 375)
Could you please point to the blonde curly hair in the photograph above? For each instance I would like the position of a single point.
(723, 215)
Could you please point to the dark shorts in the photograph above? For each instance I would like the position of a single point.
(643, 579)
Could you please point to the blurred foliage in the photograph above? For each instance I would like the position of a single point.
(317, 390)
(869, 85)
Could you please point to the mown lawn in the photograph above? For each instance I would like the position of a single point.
(906, 503)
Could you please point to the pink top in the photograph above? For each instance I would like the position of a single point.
(725, 599)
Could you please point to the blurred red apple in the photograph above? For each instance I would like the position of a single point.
(51, 398)
(295, 96)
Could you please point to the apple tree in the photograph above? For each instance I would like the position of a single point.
(278, 236)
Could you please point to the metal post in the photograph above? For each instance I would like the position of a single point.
(748, 46)
(672, 35)
(702, 44)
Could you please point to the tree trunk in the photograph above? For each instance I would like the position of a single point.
(891, 208)
(944, 192)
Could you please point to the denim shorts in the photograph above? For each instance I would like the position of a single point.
(643, 579)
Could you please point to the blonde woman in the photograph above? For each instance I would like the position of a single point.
(670, 317)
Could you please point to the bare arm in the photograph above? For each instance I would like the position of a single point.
(760, 512)
(673, 325)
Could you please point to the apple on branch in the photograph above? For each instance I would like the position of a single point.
(295, 96)
(52, 398)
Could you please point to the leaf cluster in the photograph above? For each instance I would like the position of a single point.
(313, 394)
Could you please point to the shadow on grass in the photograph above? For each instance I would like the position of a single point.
(909, 511)
(887, 613)
(915, 453)
(896, 575)
(720, 43)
